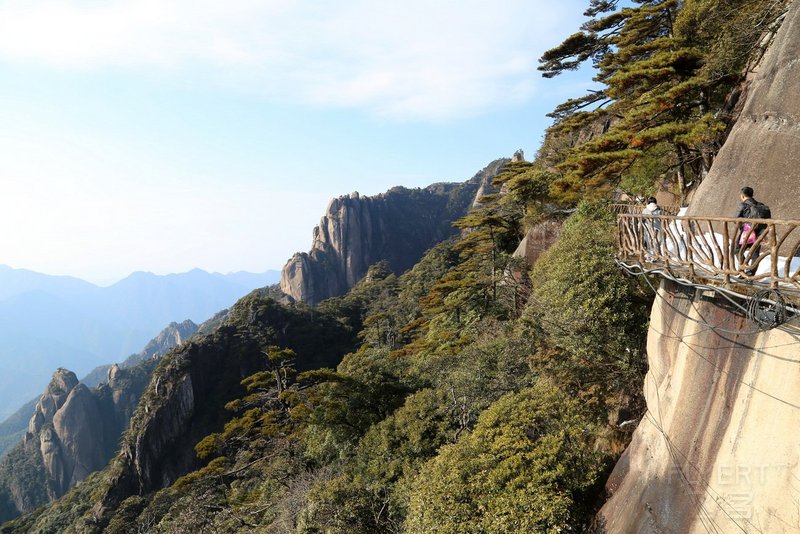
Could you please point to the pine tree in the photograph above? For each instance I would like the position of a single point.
(663, 72)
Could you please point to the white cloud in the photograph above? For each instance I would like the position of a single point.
(418, 59)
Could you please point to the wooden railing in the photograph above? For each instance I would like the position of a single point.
(623, 209)
(709, 247)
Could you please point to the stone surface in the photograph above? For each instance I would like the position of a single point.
(397, 226)
(717, 450)
(763, 148)
(75, 430)
(538, 239)
(719, 443)
(76, 425)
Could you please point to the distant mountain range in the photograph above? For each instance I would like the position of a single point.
(47, 322)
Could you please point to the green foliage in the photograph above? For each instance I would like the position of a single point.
(523, 469)
(583, 306)
(646, 175)
(367, 388)
(664, 66)
(371, 495)
(494, 364)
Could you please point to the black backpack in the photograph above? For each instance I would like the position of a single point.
(757, 210)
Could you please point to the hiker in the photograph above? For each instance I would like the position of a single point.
(652, 229)
(747, 235)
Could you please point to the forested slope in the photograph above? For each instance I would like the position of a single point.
(482, 394)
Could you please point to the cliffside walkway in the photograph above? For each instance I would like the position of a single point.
(703, 250)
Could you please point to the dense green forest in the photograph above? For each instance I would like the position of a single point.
(477, 393)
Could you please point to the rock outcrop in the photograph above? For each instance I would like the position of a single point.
(763, 148)
(537, 240)
(397, 226)
(172, 336)
(75, 430)
(717, 450)
(175, 413)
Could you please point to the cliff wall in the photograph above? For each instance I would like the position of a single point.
(74, 431)
(397, 226)
(763, 148)
(717, 450)
(75, 428)
(718, 447)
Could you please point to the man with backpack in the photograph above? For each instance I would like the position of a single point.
(746, 236)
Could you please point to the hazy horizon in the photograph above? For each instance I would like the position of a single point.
(161, 136)
(162, 274)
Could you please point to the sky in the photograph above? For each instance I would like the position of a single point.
(166, 135)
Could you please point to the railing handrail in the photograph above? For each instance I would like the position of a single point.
(788, 222)
(720, 248)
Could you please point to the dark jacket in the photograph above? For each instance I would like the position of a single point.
(743, 212)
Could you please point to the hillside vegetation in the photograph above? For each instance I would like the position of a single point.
(480, 395)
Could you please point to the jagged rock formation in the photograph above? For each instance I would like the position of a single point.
(75, 430)
(397, 226)
(175, 412)
(172, 336)
(717, 449)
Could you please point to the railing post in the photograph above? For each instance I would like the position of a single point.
(726, 253)
(638, 224)
(773, 252)
(688, 229)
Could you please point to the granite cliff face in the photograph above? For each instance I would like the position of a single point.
(717, 450)
(75, 430)
(397, 226)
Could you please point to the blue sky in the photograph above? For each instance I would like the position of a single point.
(167, 135)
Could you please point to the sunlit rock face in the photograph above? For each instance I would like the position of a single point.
(763, 148)
(719, 442)
(719, 447)
(397, 226)
(74, 431)
(537, 240)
